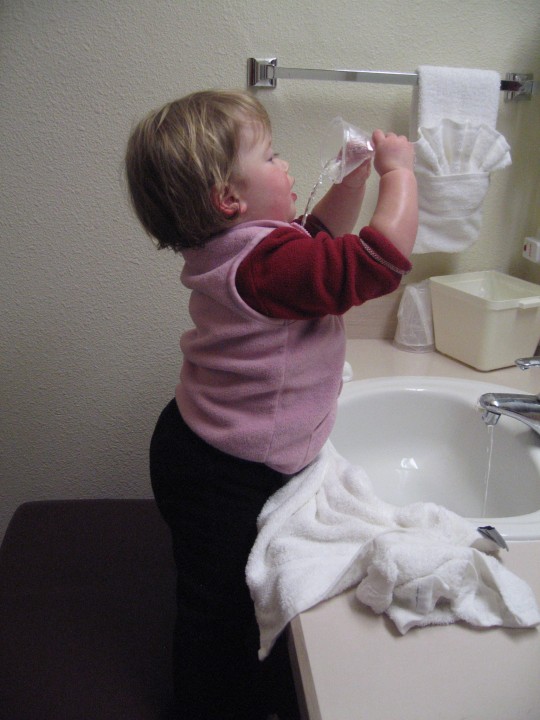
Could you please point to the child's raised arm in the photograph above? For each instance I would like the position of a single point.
(396, 212)
(339, 208)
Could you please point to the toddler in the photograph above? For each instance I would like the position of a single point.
(262, 365)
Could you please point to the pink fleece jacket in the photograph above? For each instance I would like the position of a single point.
(257, 387)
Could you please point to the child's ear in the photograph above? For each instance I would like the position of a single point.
(227, 201)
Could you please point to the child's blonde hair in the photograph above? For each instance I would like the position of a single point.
(178, 155)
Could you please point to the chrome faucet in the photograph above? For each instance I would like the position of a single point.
(525, 408)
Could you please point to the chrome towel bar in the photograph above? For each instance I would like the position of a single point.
(264, 72)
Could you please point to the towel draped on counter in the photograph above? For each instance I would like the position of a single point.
(326, 531)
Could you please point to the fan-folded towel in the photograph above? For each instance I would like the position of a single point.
(453, 118)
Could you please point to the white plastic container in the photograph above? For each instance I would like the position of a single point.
(485, 319)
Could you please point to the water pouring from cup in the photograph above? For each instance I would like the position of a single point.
(343, 149)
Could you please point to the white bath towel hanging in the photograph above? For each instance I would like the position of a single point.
(453, 118)
(326, 531)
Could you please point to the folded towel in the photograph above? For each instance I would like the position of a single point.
(326, 531)
(452, 148)
(453, 117)
(459, 94)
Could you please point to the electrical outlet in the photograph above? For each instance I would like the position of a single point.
(531, 249)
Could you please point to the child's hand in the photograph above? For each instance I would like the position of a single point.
(358, 177)
(392, 152)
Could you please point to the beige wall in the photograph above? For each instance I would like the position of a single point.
(91, 313)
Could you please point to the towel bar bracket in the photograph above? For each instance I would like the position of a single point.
(261, 72)
(264, 72)
(526, 86)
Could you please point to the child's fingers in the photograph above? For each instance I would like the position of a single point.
(377, 136)
(392, 151)
(359, 175)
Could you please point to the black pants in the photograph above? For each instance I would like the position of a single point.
(211, 501)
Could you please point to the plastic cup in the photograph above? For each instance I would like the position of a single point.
(414, 330)
(343, 149)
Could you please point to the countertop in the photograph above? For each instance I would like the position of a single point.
(354, 665)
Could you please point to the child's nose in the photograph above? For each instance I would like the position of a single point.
(284, 164)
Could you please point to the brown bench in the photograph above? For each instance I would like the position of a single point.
(86, 611)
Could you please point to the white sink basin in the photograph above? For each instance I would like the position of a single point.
(423, 439)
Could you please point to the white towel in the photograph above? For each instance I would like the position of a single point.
(453, 118)
(459, 94)
(326, 531)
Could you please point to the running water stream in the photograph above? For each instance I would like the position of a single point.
(311, 198)
(489, 453)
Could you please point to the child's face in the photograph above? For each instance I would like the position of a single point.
(261, 179)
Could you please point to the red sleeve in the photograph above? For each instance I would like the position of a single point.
(293, 276)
